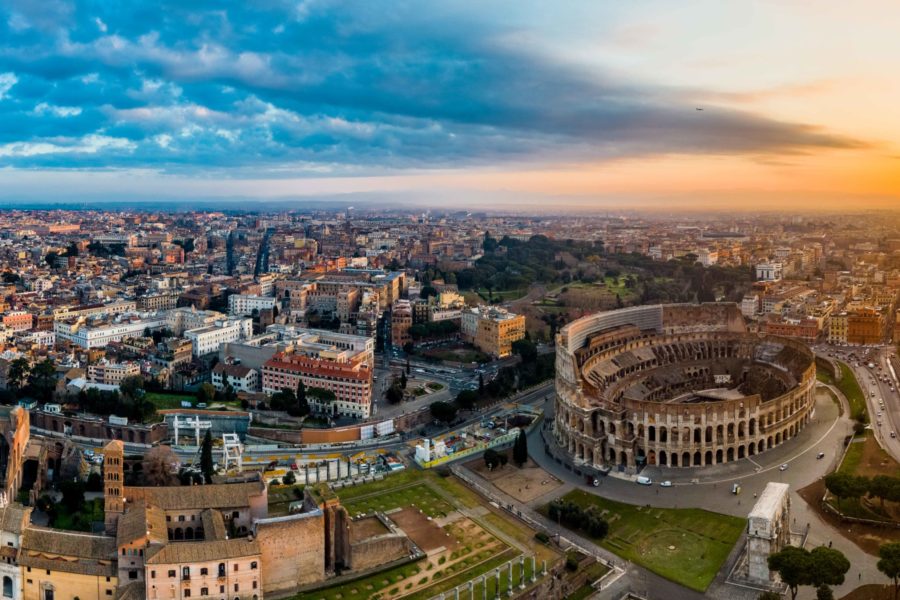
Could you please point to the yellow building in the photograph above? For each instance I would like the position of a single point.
(64, 565)
(493, 330)
(837, 328)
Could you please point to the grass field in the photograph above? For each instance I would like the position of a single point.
(849, 386)
(687, 545)
(162, 401)
(419, 495)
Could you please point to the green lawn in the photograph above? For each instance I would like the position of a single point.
(686, 545)
(421, 496)
(92, 511)
(851, 390)
(163, 401)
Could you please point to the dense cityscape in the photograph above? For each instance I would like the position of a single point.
(190, 394)
(451, 300)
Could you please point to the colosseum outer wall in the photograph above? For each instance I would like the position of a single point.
(597, 426)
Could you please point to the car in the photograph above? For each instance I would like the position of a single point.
(644, 480)
(783, 467)
(820, 456)
(893, 435)
(666, 483)
(294, 467)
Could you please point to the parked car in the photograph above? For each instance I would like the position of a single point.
(666, 483)
(644, 480)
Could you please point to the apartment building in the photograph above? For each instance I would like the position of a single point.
(112, 373)
(209, 339)
(492, 329)
(243, 305)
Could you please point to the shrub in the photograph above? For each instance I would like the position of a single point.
(542, 537)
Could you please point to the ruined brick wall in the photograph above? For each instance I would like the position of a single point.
(378, 550)
(711, 316)
(292, 551)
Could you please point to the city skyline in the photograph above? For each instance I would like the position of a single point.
(766, 106)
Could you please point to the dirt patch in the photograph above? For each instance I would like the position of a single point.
(367, 527)
(525, 484)
(867, 537)
(874, 460)
(426, 534)
(871, 592)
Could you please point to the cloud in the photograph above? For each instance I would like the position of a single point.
(7, 81)
(191, 87)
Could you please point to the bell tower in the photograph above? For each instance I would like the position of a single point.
(113, 484)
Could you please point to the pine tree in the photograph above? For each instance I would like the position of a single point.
(302, 402)
(206, 458)
(520, 449)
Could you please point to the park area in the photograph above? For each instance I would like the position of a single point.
(685, 545)
(462, 536)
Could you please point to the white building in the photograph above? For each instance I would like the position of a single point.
(88, 334)
(750, 305)
(240, 304)
(209, 339)
(769, 271)
(239, 377)
(14, 519)
(180, 319)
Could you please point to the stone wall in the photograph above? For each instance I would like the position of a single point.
(292, 551)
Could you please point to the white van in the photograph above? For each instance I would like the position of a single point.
(644, 480)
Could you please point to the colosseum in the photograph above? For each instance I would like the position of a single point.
(682, 385)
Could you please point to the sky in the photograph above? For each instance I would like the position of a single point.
(593, 105)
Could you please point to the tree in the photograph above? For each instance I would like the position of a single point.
(72, 495)
(889, 563)
(525, 349)
(403, 381)
(793, 566)
(481, 384)
(828, 566)
(50, 259)
(845, 486)
(407, 366)
(443, 411)
(394, 394)
(43, 379)
(289, 478)
(466, 399)
(206, 393)
(160, 466)
(823, 592)
(409, 348)
(493, 459)
(427, 291)
(132, 386)
(520, 449)
(94, 482)
(18, 371)
(302, 403)
(769, 596)
(206, 458)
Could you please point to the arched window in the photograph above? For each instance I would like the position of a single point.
(7, 586)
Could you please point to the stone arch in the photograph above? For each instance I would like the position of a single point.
(662, 458)
(740, 453)
(698, 434)
(718, 456)
(698, 459)
(741, 428)
(623, 458)
(729, 454)
(777, 438)
(651, 457)
(709, 434)
(651, 433)
(178, 534)
(663, 435)
(720, 433)
(674, 459)
(708, 457)
(686, 459)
